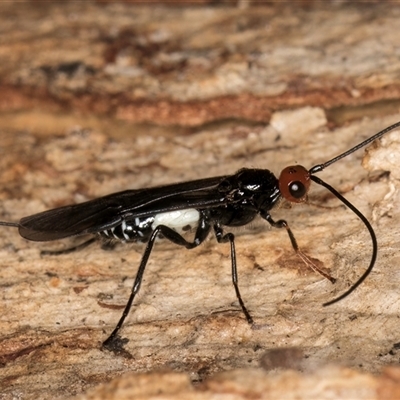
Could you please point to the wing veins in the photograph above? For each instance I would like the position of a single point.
(107, 212)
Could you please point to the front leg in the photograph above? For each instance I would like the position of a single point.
(230, 237)
(283, 224)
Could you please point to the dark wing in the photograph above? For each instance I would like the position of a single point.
(89, 217)
(106, 212)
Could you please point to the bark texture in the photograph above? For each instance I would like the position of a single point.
(98, 98)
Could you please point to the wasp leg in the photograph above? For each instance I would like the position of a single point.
(202, 232)
(230, 237)
(283, 224)
(80, 246)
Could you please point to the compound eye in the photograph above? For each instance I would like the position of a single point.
(297, 190)
(294, 182)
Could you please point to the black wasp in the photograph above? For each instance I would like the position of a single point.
(203, 205)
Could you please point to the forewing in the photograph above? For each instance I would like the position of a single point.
(90, 217)
(106, 212)
(194, 194)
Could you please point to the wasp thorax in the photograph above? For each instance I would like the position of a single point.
(294, 182)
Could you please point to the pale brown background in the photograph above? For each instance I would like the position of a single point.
(101, 97)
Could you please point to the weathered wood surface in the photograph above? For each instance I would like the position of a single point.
(188, 66)
(72, 135)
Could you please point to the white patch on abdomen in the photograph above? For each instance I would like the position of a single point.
(179, 220)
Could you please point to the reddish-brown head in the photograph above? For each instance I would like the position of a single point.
(294, 182)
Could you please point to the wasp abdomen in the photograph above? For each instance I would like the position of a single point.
(140, 228)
